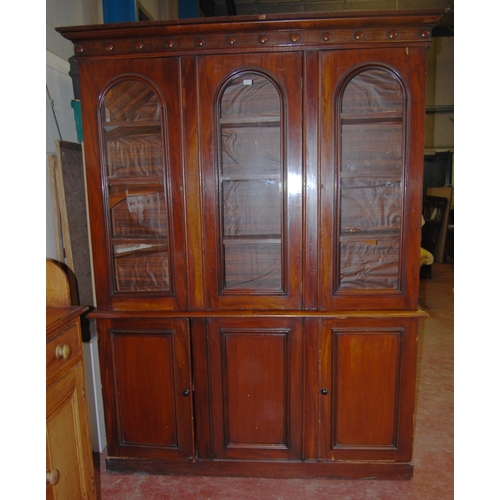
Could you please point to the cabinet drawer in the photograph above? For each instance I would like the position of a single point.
(63, 349)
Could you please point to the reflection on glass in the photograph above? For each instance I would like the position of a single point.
(137, 204)
(371, 180)
(251, 185)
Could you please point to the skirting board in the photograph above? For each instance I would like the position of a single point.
(282, 470)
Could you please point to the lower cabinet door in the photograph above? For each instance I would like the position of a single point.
(69, 463)
(146, 371)
(255, 368)
(367, 393)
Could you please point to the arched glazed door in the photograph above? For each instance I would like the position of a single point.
(138, 226)
(251, 128)
(368, 239)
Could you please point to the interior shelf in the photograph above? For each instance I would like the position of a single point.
(238, 240)
(113, 125)
(371, 235)
(251, 121)
(137, 246)
(356, 118)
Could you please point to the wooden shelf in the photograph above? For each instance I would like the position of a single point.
(139, 245)
(251, 121)
(359, 118)
(113, 125)
(260, 240)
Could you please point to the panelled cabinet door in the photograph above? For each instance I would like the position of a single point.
(256, 388)
(137, 227)
(250, 112)
(367, 389)
(371, 178)
(69, 461)
(147, 387)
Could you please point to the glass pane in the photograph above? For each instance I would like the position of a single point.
(371, 181)
(134, 151)
(372, 149)
(137, 202)
(251, 185)
(373, 91)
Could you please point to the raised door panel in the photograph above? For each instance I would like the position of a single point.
(371, 173)
(250, 123)
(147, 388)
(256, 388)
(132, 125)
(368, 377)
(69, 454)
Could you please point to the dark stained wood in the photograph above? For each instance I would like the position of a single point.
(147, 371)
(396, 249)
(278, 469)
(256, 388)
(312, 180)
(193, 192)
(112, 41)
(248, 313)
(368, 368)
(312, 390)
(261, 317)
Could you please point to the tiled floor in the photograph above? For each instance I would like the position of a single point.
(433, 447)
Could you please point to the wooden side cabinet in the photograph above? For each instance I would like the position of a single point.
(69, 463)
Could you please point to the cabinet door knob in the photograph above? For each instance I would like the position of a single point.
(52, 476)
(186, 392)
(63, 351)
(324, 392)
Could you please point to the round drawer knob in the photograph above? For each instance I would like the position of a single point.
(52, 476)
(425, 33)
(262, 39)
(63, 351)
(186, 393)
(169, 43)
(393, 34)
(79, 48)
(324, 392)
(294, 37)
(326, 36)
(200, 42)
(109, 47)
(139, 45)
(359, 35)
(231, 40)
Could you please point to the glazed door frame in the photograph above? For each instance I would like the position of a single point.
(284, 72)
(161, 76)
(336, 67)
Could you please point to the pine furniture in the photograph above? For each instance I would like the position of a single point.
(69, 462)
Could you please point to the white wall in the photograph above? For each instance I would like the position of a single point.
(439, 126)
(59, 85)
(158, 10)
